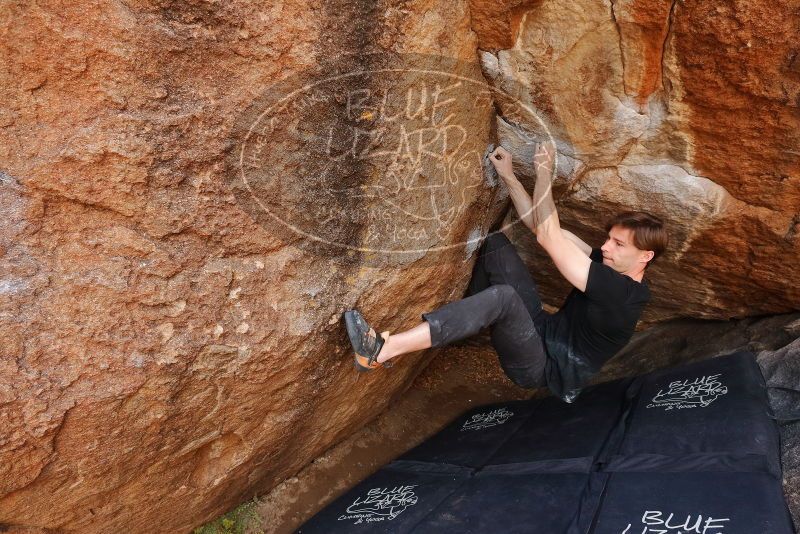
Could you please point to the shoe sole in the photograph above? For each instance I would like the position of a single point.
(351, 319)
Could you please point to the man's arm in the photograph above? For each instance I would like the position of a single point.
(539, 214)
(523, 203)
(585, 247)
(570, 260)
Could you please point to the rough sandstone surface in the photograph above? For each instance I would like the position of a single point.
(686, 109)
(165, 354)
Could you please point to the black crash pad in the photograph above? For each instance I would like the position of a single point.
(713, 409)
(395, 499)
(472, 438)
(688, 450)
(693, 503)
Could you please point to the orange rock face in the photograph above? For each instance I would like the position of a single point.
(688, 110)
(168, 347)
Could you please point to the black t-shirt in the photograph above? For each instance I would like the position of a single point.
(591, 327)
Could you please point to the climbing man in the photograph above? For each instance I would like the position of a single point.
(562, 350)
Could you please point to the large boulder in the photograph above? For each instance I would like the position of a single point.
(169, 348)
(688, 110)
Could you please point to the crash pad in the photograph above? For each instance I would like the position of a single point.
(693, 449)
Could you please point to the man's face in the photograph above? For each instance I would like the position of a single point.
(621, 254)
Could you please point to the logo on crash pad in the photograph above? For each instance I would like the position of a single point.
(380, 504)
(487, 419)
(657, 522)
(690, 393)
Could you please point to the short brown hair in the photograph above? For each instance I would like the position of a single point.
(648, 231)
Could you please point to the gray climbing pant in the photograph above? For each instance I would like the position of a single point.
(501, 295)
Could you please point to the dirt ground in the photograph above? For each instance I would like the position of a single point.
(459, 377)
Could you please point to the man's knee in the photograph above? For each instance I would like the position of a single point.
(508, 304)
(504, 293)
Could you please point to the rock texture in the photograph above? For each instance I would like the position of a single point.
(781, 369)
(165, 354)
(171, 340)
(686, 109)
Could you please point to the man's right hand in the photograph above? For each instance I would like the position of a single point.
(501, 159)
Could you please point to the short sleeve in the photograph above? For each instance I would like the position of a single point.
(605, 285)
(596, 255)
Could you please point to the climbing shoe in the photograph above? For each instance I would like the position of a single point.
(366, 342)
